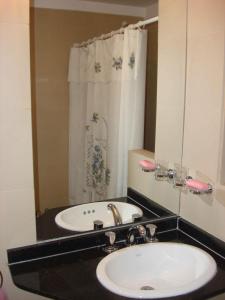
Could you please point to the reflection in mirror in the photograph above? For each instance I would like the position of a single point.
(93, 101)
(171, 80)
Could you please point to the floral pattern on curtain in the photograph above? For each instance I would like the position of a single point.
(107, 96)
(97, 171)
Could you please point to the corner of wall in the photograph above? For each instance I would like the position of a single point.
(17, 221)
(203, 114)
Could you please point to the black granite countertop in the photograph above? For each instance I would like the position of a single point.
(47, 228)
(72, 276)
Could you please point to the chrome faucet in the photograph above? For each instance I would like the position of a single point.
(146, 234)
(151, 233)
(134, 232)
(116, 214)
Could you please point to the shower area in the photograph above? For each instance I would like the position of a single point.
(107, 98)
(89, 103)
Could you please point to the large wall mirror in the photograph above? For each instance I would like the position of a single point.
(92, 101)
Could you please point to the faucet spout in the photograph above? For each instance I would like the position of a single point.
(116, 214)
(136, 232)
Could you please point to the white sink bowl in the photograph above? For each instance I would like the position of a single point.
(156, 270)
(82, 217)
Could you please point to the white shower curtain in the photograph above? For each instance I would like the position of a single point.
(107, 97)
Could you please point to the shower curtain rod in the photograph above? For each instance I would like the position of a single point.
(121, 30)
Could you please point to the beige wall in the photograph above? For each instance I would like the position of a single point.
(144, 182)
(171, 80)
(17, 222)
(16, 189)
(204, 115)
(204, 139)
(170, 105)
(53, 32)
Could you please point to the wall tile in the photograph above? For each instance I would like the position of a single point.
(171, 80)
(204, 103)
(204, 112)
(204, 211)
(14, 11)
(16, 149)
(15, 114)
(15, 66)
(161, 192)
(206, 17)
(17, 214)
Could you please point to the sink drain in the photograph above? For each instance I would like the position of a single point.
(146, 288)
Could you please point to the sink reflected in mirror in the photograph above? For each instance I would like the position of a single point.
(156, 270)
(135, 208)
(83, 217)
(83, 126)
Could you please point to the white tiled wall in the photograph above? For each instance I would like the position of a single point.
(17, 221)
(205, 79)
(144, 182)
(171, 79)
(170, 105)
(204, 108)
(204, 112)
(14, 11)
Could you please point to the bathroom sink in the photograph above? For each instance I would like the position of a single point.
(82, 217)
(156, 270)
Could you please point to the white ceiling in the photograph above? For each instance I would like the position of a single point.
(138, 3)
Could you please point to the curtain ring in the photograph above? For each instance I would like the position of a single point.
(139, 26)
(1, 279)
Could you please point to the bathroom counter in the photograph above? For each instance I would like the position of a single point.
(72, 275)
(47, 228)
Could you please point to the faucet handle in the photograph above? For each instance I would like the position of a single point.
(142, 231)
(134, 232)
(112, 238)
(98, 224)
(151, 228)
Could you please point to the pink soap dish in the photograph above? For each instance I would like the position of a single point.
(147, 165)
(198, 187)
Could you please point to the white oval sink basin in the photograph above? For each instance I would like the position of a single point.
(156, 270)
(82, 217)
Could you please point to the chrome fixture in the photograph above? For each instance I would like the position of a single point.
(116, 214)
(111, 235)
(136, 232)
(177, 176)
(136, 217)
(98, 224)
(151, 233)
(162, 173)
(180, 176)
(171, 174)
